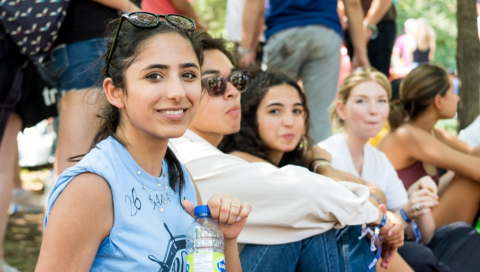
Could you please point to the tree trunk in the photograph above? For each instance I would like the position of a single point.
(468, 62)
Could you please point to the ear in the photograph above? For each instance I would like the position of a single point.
(115, 96)
(340, 108)
(437, 102)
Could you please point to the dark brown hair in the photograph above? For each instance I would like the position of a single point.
(130, 43)
(417, 92)
(248, 138)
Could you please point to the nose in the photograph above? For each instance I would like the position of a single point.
(372, 108)
(231, 92)
(175, 90)
(287, 119)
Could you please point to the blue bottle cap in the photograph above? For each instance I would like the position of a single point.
(202, 211)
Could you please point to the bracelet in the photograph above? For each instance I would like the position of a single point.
(243, 51)
(383, 222)
(320, 163)
(318, 159)
(373, 28)
(405, 216)
(376, 197)
(414, 226)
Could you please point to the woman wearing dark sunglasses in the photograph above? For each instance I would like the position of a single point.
(127, 205)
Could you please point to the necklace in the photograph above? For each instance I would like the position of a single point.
(162, 175)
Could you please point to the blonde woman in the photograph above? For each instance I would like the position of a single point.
(361, 109)
(420, 47)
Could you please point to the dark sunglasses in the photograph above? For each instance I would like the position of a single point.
(150, 20)
(217, 85)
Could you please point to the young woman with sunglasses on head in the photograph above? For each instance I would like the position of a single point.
(127, 205)
(274, 129)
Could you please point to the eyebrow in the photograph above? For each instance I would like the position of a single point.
(281, 105)
(164, 66)
(211, 71)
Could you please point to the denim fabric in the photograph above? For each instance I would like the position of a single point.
(354, 254)
(314, 254)
(74, 66)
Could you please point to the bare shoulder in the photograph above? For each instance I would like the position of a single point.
(247, 156)
(87, 197)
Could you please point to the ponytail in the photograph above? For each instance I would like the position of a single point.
(398, 115)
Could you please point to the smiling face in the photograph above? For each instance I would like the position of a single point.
(365, 111)
(281, 119)
(217, 115)
(162, 88)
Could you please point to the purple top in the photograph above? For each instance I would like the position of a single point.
(410, 174)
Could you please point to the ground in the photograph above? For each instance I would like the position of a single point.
(23, 239)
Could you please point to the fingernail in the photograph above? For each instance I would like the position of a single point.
(238, 219)
(227, 225)
(216, 220)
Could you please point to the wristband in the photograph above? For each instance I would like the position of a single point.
(414, 226)
(373, 28)
(377, 198)
(243, 51)
(319, 164)
(383, 222)
(318, 159)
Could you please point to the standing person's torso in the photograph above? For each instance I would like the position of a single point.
(146, 235)
(85, 20)
(159, 6)
(284, 14)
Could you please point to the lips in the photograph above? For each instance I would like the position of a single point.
(234, 110)
(288, 136)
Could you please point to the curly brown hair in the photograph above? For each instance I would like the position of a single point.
(248, 138)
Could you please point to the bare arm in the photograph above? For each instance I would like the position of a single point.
(120, 5)
(80, 220)
(452, 141)
(252, 21)
(422, 146)
(431, 55)
(354, 12)
(377, 10)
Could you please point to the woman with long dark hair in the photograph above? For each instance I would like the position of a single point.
(274, 129)
(127, 205)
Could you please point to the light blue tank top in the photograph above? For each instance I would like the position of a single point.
(146, 235)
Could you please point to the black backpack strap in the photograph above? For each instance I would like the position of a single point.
(13, 96)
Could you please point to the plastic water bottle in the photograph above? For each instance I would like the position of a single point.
(205, 246)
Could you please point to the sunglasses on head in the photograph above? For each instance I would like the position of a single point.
(217, 85)
(150, 20)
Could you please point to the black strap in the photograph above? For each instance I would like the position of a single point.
(13, 96)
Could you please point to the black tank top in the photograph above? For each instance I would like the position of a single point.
(421, 56)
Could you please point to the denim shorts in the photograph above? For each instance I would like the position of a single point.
(74, 66)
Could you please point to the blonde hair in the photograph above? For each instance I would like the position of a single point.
(417, 92)
(424, 34)
(358, 76)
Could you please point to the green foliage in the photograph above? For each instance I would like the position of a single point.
(442, 16)
(212, 12)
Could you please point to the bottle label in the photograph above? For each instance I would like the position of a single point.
(206, 262)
